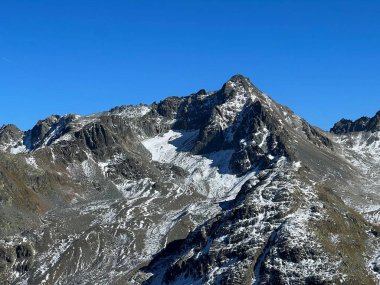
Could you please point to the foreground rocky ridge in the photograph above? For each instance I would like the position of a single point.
(225, 187)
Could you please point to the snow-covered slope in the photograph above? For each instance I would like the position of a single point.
(361, 150)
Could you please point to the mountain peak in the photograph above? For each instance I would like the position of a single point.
(240, 84)
(239, 78)
(9, 133)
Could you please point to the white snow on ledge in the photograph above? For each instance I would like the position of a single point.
(18, 149)
(31, 161)
(209, 176)
(135, 111)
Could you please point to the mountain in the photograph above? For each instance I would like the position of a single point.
(222, 187)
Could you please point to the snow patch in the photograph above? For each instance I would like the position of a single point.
(31, 161)
(134, 111)
(18, 149)
(210, 176)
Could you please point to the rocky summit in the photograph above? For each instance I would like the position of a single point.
(222, 187)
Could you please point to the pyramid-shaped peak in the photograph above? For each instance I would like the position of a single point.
(238, 77)
(240, 84)
(241, 80)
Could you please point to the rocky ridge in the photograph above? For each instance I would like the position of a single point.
(363, 124)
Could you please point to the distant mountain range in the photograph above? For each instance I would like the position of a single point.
(222, 187)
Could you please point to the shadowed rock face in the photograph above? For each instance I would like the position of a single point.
(223, 187)
(363, 124)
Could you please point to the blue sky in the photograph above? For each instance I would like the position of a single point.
(320, 58)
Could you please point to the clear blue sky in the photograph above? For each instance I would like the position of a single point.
(320, 58)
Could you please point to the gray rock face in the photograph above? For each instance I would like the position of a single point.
(223, 187)
(9, 134)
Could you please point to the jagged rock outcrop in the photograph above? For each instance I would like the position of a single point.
(363, 124)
